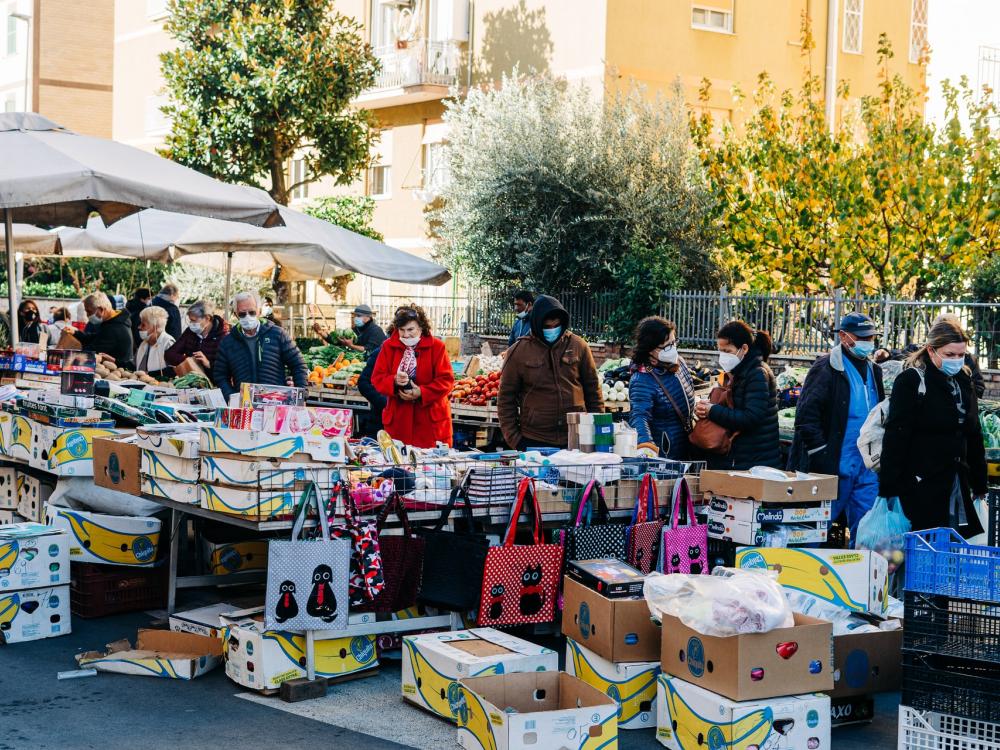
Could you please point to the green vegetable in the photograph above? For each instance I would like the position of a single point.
(192, 380)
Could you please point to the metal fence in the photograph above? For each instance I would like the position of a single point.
(806, 324)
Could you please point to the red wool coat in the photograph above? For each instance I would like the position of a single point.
(426, 421)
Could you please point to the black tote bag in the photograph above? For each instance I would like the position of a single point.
(453, 560)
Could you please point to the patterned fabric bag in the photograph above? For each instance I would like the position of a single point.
(685, 547)
(521, 581)
(590, 541)
(402, 562)
(643, 545)
(367, 579)
(307, 580)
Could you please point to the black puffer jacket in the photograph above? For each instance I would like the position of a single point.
(267, 358)
(112, 337)
(754, 415)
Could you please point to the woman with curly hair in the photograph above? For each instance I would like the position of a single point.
(414, 374)
(661, 392)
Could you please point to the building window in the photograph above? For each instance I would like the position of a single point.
(436, 173)
(383, 24)
(298, 174)
(157, 122)
(11, 35)
(156, 9)
(379, 181)
(711, 19)
(918, 30)
(854, 11)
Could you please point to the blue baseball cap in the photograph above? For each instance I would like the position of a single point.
(858, 324)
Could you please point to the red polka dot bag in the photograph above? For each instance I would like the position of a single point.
(521, 581)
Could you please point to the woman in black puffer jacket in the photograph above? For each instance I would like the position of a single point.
(744, 354)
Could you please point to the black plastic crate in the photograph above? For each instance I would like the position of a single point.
(951, 686)
(721, 552)
(102, 590)
(957, 628)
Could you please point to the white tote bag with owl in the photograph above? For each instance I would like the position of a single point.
(307, 579)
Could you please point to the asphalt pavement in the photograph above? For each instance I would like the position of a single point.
(113, 711)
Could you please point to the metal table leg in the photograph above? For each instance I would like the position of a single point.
(176, 521)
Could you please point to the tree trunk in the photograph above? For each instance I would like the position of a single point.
(279, 190)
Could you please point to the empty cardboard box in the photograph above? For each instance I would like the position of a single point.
(618, 630)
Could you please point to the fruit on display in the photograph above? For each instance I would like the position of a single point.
(340, 371)
(477, 391)
(616, 391)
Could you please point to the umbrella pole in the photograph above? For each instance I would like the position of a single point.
(11, 274)
(229, 278)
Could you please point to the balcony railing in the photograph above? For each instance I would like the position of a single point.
(418, 62)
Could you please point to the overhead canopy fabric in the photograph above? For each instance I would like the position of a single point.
(50, 176)
(305, 247)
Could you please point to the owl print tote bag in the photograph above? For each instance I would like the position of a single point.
(307, 579)
(589, 539)
(685, 547)
(521, 581)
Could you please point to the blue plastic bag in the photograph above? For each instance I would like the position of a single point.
(883, 529)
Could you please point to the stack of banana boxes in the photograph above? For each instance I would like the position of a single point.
(34, 583)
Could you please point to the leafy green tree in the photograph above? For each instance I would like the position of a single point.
(254, 83)
(353, 212)
(556, 189)
(53, 276)
(887, 203)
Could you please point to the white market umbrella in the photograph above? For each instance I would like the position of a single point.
(50, 176)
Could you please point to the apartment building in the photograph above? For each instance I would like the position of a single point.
(57, 60)
(429, 48)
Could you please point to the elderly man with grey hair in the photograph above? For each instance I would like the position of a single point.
(257, 351)
(201, 339)
(112, 333)
(167, 298)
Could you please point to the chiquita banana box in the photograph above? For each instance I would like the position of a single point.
(32, 614)
(263, 659)
(66, 452)
(266, 445)
(534, 710)
(856, 580)
(172, 468)
(179, 492)
(251, 502)
(631, 684)
(691, 718)
(434, 663)
(16, 433)
(33, 555)
(235, 557)
(111, 540)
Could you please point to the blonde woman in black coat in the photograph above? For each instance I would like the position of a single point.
(933, 458)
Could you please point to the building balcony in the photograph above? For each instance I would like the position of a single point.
(418, 71)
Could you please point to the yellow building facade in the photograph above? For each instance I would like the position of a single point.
(432, 48)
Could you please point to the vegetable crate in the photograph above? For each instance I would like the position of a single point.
(102, 590)
(932, 682)
(939, 561)
(954, 628)
(927, 730)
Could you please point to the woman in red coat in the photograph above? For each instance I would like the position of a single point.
(414, 373)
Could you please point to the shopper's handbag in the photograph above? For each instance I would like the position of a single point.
(367, 579)
(588, 540)
(521, 581)
(402, 562)
(307, 579)
(684, 548)
(643, 545)
(453, 560)
(710, 436)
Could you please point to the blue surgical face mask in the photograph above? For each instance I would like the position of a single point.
(863, 349)
(952, 367)
(358, 321)
(552, 334)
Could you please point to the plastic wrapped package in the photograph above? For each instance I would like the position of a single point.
(728, 602)
(843, 621)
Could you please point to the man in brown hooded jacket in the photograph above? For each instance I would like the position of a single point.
(546, 375)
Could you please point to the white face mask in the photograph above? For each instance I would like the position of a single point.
(96, 319)
(668, 355)
(410, 340)
(249, 323)
(728, 362)
(265, 310)
(143, 335)
(196, 327)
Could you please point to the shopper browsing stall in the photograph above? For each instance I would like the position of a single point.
(202, 337)
(29, 322)
(840, 390)
(753, 417)
(167, 298)
(256, 351)
(141, 299)
(523, 300)
(933, 458)
(368, 334)
(62, 318)
(112, 330)
(150, 357)
(546, 376)
(661, 391)
(414, 375)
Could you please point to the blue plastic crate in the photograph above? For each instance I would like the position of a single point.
(939, 561)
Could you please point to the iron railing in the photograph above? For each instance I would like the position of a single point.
(418, 62)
